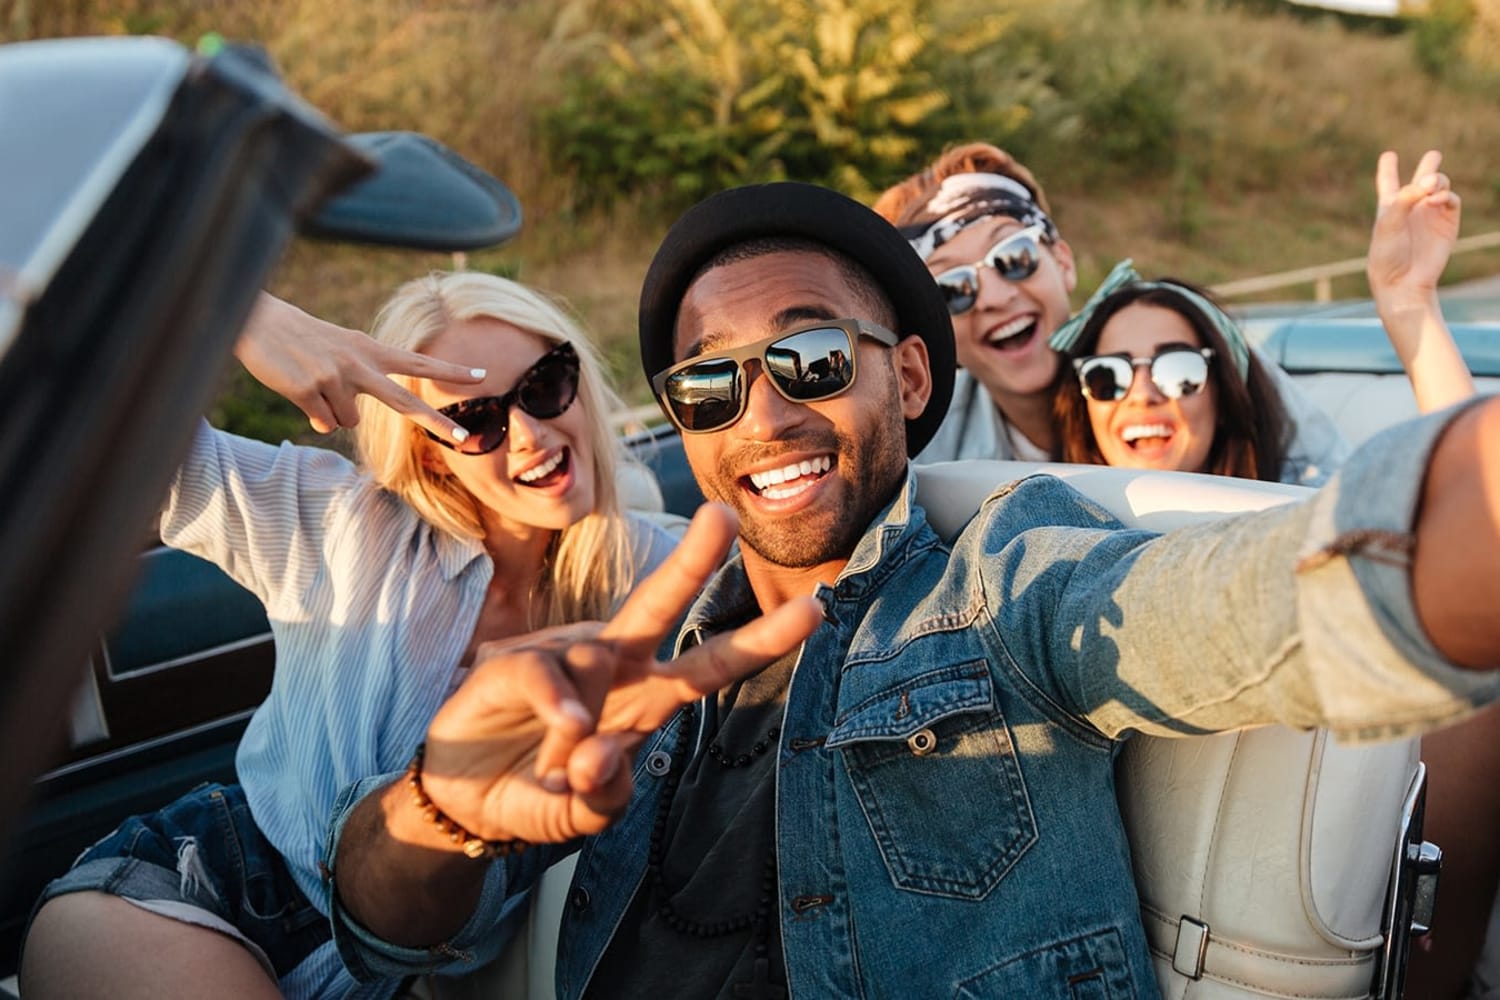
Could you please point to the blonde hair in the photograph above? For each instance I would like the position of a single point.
(591, 568)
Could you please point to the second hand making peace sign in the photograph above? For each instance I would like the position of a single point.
(321, 367)
(537, 743)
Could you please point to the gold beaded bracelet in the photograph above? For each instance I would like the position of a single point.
(472, 845)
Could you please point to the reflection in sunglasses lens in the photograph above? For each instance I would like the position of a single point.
(705, 395)
(806, 366)
(1179, 373)
(1106, 379)
(811, 365)
(1175, 373)
(960, 287)
(549, 388)
(1016, 263)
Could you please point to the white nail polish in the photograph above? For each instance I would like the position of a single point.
(477, 372)
(460, 435)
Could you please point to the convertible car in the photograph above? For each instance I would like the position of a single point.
(133, 247)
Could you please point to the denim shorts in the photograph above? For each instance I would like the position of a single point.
(204, 855)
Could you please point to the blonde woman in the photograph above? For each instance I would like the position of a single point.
(484, 508)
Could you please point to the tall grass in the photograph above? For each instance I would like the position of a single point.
(1212, 139)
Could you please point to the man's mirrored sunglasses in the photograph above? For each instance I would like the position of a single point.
(1015, 258)
(1176, 372)
(708, 392)
(545, 390)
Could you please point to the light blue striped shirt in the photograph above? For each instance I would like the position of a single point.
(371, 608)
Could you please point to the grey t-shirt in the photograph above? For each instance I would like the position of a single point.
(719, 866)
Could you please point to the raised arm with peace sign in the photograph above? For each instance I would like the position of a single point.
(1416, 226)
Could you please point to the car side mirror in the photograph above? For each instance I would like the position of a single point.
(423, 196)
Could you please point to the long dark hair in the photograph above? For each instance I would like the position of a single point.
(1251, 429)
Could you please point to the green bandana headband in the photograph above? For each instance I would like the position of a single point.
(1125, 275)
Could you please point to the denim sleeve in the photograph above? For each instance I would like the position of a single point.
(501, 910)
(1301, 614)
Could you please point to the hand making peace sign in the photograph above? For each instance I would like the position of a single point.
(1416, 225)
(320, 367)
(537, 743)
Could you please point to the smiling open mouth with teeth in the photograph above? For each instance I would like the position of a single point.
(790, 479)
(547, 472)
(1135, 433)
(1016, 333)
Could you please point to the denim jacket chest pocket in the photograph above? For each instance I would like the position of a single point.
(935, 770)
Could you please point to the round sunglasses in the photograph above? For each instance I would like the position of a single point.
(1015, 258)
(1176, 372)
(808, 364)
(545, 390)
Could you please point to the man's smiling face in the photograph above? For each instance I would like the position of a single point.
(805, 478)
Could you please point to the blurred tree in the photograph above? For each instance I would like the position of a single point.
(1439, 35)
(702, 94)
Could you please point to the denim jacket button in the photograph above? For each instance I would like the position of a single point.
(658, 763)
(922, 742)
(579, 899)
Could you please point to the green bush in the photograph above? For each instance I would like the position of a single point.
(705, 94)
(1111, 95)
(247, 408)
(1438, 36)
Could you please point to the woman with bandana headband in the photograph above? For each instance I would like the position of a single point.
(1159, 377)
(976, 203)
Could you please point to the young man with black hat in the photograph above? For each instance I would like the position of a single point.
(918, 799)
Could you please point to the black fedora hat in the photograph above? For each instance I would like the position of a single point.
(806, 211)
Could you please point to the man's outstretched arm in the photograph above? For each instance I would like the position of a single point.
(1455, 574)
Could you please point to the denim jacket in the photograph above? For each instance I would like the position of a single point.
(945, 808)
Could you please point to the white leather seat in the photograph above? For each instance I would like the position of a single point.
(1262, 858)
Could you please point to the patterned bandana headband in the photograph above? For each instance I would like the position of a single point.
(1125, 275)
(964, 199)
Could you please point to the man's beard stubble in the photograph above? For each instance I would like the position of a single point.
(872, 467)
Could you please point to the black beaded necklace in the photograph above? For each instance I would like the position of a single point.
(744, 759)
(760, 919)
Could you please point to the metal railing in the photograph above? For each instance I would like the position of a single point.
(1322, 275)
